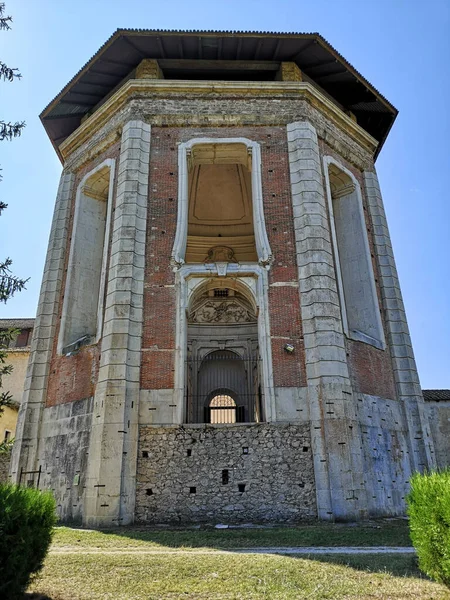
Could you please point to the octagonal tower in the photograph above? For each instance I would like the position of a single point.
(220, 332)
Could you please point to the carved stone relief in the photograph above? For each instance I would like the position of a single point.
(220, 254)
(222, 311)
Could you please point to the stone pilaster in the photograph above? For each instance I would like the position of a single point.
(335, 431)
(110, 485)
(25, 452)
(399, 340)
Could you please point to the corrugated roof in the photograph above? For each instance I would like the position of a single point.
(125, 49)
(436, 395)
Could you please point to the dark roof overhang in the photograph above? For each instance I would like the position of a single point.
(127, 47)
(436, 395)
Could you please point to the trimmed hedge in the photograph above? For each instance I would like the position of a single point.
(27, 519)
(429, 522)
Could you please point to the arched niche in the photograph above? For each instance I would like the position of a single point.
(82, 312)
(220, 203)
(356, 281)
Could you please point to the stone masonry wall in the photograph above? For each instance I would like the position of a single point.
(63, 454)
(230, 474)
(439, 419)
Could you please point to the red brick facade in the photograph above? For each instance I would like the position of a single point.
(159, 304)
(72, 378)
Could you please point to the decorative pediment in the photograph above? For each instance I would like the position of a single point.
(233, 311)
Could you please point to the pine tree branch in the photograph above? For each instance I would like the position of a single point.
(8, 74)
(4, 21)
(9, 284)
(8, 131)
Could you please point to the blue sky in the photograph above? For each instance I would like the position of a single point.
(401, 46)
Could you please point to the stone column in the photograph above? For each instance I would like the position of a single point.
(110, 484)
(421, 447)
(25, 452)
(335, 431)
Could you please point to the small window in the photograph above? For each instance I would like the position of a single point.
(222, 409)
(22, 339)
(7, 435)
(221, 293)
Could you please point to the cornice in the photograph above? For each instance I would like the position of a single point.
(173, 88)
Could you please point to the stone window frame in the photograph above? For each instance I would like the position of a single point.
(111, 164)
(255, 279)
(354, 335)
(263, 250)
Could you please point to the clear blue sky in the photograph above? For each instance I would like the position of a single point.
(401, 46)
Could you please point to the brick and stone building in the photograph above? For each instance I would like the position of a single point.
(220, 332)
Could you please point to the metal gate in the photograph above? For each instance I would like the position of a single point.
(223, 387)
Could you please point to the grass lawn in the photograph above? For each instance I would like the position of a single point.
(72, 574)
(380, 533)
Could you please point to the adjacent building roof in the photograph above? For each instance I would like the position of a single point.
(125, 49)
(436, 395)
(17, 323)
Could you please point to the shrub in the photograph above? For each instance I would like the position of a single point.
(429, 521)
(27, 518)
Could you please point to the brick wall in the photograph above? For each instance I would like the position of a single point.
(159, 305)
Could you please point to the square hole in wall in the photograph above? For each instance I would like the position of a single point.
(192, 490)
(305, 448)
(225, 477)
(149, 492)
(144, 454)
(188, 452)
(241, 487)
(245, 450)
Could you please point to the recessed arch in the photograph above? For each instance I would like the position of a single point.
(356, 281)
(82, 312)
(243, 157)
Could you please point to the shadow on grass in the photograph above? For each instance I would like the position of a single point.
(312, 535)
(394, 533)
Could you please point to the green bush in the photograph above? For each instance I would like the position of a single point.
(429, 522)
(27, 518)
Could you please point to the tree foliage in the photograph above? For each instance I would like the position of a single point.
(8, 130)
(9, 283)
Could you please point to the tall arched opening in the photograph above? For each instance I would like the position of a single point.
(223, 365)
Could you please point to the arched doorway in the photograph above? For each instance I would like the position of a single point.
(223, 367)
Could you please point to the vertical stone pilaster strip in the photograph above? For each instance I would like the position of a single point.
(335, 432)
(403, 362)
(110, 486)
(25, 452)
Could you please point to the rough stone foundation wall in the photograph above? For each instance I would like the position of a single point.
(230, 474)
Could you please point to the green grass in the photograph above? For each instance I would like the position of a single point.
(232, 577)
(82, 565)
(382, 533)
